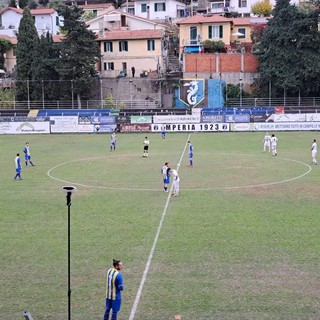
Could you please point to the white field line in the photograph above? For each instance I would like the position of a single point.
(155, 241)
(178, 167)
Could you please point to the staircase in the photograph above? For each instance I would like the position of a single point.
(174, 64)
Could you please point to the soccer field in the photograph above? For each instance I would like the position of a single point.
(240, 242)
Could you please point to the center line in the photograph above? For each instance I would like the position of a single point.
(146, 270)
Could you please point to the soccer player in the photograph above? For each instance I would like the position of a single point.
(113, 141)
(190, 146)
(274, 142)
(163, 132)
(166, 176)
(314, 151)
(267, 142)
(146, 143)
(27, 155)
(114, 288)
(17, 162)
(176, 183)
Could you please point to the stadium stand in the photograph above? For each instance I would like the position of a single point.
(14, 113)
(230, 111)
(72, 112)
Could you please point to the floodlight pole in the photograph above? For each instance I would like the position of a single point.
(69, 191)
(69, 277)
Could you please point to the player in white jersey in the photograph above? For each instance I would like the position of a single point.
(267, 143)
(175, 182)
(113, 142)
(314, 151)
(274, 142)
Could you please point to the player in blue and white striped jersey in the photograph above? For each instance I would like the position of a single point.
(190, 146)
(17, 162)
(113, 292)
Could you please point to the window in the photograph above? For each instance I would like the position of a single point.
(243, 31)
(108, 66)
(95, 13)
(159, 7)
(217, 5)
(193, 35)
(131, 10)
(215, 32)
(123, 46)
(151, 45)
(144, 7)
(57, 21)
(242, 3)
(108, 46)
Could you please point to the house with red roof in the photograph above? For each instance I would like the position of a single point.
(158, 10)
(128, 41)
(46, 20)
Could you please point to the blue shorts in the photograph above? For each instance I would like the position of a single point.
(166, 180)
(191, 155)
(113, 304)
(27, 157)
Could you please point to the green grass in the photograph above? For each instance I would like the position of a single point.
(241, 241)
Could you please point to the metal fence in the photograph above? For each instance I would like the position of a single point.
(303, 103)
(88, 104)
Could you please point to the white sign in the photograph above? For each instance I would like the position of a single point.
(177, 119)
(313, 117)
(295, 117)
(242, 126)
(88, 128)
(287, 126)
(195, 127)
(31, 127)
(64, 124)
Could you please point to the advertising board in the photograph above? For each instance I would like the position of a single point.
(24, 127)
(195, 127)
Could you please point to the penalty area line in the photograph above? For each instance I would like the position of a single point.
(155, 241)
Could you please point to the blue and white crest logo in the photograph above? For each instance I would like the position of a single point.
(191, 91)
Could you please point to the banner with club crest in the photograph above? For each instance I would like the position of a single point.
(191, 91)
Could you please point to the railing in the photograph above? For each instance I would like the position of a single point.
(302, 102)
(294, 104)
(88, 104)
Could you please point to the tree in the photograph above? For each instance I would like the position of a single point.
(44, 2)
(262, 8)
(45, 76)
(5, 45)
(211, 46)
(27, 47)
(79, 52)
(289, 50)
(22, 3)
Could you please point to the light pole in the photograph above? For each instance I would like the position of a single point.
(42, 86)
(28, 89)
(69, 190)
(240, 83)
(101, 94)
(220, 90)
(270, 92)
(160, 93)
(196, 68)
(72, 98)
(130, 93)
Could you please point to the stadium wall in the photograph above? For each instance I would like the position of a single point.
(202, 120)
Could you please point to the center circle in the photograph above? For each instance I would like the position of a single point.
(222, 171)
